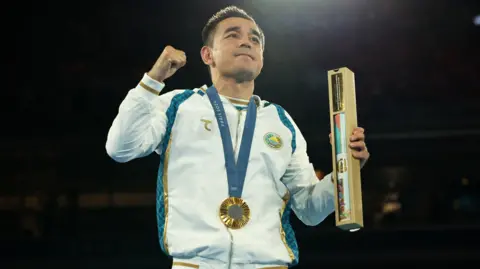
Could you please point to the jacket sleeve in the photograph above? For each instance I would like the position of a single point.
(312, 199)
(140, 123)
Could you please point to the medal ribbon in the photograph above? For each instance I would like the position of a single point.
(235, 171)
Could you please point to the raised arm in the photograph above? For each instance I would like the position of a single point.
(140, 124)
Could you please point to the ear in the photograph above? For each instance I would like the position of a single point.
(206, 53)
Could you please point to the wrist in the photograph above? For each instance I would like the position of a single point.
(155, 77)
(149, 84)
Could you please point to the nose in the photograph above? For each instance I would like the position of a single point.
(246, 44)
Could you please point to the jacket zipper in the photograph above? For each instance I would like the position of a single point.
(230, 255)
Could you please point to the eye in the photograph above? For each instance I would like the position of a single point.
(256, 40)
(234, 35)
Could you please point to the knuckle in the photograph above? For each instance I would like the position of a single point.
(168, 50)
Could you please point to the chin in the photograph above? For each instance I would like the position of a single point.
(243, 75)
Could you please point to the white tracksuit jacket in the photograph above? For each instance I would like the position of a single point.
(192, 183)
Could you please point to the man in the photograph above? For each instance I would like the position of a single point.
(232, 166)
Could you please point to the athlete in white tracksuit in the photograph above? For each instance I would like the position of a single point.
(182, 128)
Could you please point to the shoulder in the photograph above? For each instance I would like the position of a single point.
(182, 94)
(285, 119)
(280, 110)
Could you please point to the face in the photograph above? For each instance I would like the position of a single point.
(237, 50)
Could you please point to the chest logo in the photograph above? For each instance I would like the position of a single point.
(273, 140)
(206, 124)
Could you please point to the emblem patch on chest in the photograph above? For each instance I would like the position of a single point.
(206, 124)
(273, 140)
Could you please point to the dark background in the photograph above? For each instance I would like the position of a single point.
(65, 204)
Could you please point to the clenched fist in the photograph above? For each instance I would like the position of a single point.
(167, 64)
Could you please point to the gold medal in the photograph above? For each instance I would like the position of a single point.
(234, 213)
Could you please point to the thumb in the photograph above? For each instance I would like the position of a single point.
(173, 65)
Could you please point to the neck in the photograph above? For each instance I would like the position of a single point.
(231, 88)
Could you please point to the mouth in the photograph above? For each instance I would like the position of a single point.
(245, 54)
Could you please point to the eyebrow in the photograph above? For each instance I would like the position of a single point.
(237, 29)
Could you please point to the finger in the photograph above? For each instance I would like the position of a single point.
(357, 154)
(181, 58)
(180, 52)
(362, 155)
(169, 48)
(168, 52)
(174, 59)
(357, 130)
(360, 145)
(179, 55)
(177, 61)
(357, 137)
(171, 63)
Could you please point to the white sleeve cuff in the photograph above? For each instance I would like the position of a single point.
(150, 87)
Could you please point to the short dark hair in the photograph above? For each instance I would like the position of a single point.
(225, 13)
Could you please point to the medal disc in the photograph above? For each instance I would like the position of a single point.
(234, 213)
